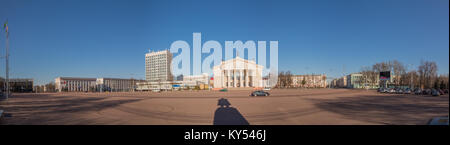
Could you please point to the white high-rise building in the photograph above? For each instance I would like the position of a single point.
(158, 66)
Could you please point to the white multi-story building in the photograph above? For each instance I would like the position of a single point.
(116, 84)
(199, 79)
(309, 81)
(158, 66)
(72, 84)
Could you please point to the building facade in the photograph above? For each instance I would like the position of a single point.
(340, 82)
(355, 81)
(19, 85)
(158, 66)
(237, 73)
(73, 84)
(309, 81)
(156, 86)
(116, 84)
(198, 79)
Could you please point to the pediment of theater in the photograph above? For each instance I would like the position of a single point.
(238, 63)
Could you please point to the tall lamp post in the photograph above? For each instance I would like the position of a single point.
(5, 26)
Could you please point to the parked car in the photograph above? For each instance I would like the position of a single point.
(266, 89)
(386, 90)
(259, 93)
(435, 92)
(441, 91)
(407, 91)
(438, 121)
(418, 91)
(380, 90)
(426, 92)
(399, 91)
(391, 90)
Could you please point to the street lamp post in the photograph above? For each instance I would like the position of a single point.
(7, 68)
(5, 26)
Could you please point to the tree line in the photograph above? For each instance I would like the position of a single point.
(424, 76)
(284, 79)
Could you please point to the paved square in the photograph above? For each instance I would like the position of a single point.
(282, 107)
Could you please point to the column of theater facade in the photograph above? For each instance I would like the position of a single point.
(230, 78)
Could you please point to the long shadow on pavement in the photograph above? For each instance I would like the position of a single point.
(391, 109)
(226, 115)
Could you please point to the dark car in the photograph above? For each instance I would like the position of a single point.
(426, 92)
(435, 92)
(379, 90)
(398, 91)
(441, 91)
(438, 121)
(259, 93)
(418, 91)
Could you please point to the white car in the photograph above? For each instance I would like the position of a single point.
(391, 90)
(266, 89)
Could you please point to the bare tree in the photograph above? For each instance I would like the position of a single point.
(50, 87)
(399, 69)
(443, 81)
(369, 76)
(379, 67)
(427, 72)
(304, 81)
(411, 79)
(281, 77)
(288, 79)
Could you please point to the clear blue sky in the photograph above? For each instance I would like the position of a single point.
(109, 38)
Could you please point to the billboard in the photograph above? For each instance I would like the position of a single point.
(385, 75)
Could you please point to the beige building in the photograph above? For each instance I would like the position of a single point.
(341, 82)
(309, 81)
(117, 84)
(156, 86)
(195, 80)
(17, 84)
(72, 84)
(158, 66)
(200, 79)
(333, 83)
(237, 73)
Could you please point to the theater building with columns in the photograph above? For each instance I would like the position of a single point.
(238, 73)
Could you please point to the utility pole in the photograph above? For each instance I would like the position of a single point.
(5, 26)
(7, 67)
